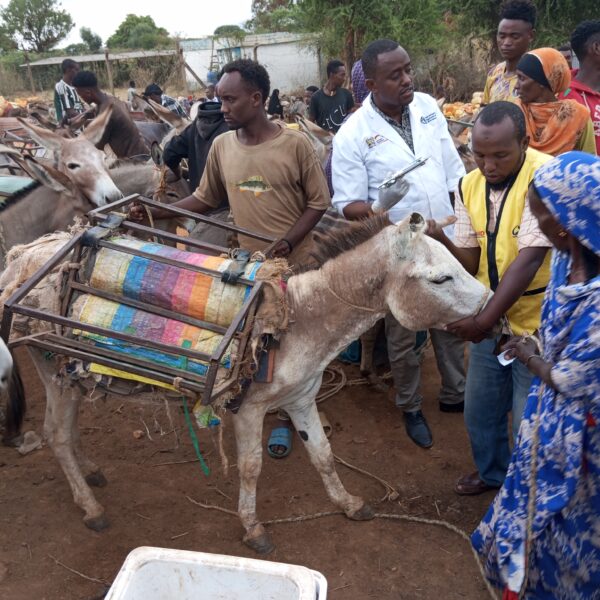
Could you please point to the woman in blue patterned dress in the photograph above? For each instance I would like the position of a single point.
(541, 536)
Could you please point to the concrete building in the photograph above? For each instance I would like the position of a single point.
(292, 60)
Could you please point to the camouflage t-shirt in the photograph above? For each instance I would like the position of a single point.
(498, 86)
(269, 185)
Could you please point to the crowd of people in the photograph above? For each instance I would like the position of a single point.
(527, 226)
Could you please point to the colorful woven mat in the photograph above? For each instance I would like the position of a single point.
(174, 288)
(124, 319)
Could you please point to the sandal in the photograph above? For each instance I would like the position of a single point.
(280, 436)
(327, 429)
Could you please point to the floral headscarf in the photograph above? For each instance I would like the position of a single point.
(569, 186)
(554, 127)
(555, 67)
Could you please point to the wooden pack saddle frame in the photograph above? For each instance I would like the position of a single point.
(107, 221)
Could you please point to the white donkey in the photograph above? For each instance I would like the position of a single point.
(369, 269)
(11, 386)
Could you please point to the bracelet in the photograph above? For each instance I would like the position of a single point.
(530, 357)
(288, 243)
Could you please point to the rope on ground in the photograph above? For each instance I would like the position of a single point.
(391, 493)
(335, 379)
(391, 516)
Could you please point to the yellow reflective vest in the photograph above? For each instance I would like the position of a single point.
(499, 248)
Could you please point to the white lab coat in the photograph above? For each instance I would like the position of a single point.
(367, 150)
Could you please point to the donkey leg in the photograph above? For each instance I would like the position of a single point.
(305, 417)
(58, 430)
(60, 420)
(93, 474)
(248, 425)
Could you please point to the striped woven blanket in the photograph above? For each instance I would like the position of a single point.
(159, 284)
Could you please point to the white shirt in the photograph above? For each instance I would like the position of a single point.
(367, 150)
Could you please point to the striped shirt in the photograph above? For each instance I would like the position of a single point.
(172, 105)
(66, 97)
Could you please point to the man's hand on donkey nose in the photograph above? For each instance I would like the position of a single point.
(468, 329)
(389, 197)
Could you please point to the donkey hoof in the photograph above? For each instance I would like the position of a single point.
(97, 523)
(261, 544)
(364, 513)
(96, 479)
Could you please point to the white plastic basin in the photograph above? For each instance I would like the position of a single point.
(165, 574)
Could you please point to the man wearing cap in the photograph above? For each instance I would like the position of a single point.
(155, 93)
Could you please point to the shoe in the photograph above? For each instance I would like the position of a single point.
(417, 429)
(455, 407)
(472, 485)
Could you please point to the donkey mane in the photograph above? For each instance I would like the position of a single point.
(330, 245)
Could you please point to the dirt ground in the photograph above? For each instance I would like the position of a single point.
(147, 506)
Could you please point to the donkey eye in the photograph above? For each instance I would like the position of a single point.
(442, 279)
(73, 166)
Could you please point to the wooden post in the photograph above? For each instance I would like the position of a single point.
(111, 84)
(29, 73)
(182, 72)
(194, 75)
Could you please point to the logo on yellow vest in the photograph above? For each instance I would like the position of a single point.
(515, 231)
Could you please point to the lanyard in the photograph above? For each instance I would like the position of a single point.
(492, 236)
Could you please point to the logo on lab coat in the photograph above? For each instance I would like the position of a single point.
(428, 118)
(375, 140)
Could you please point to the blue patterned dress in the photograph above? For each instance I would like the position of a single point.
(564, 557)
(565, 554)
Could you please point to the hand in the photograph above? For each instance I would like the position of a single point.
(282, 249)
(521, 348)
(138, 213)
(389, 197)
(435, 230)
(468, 329)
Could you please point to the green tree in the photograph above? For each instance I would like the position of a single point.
(7, 43)
(92, 40)
(36, 24)
(231, 36)
(273, 15)
(556, 19)
(344, 27)
(138, 31)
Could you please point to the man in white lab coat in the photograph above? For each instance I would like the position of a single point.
(394, 126)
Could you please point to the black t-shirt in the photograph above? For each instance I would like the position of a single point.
(329, 112)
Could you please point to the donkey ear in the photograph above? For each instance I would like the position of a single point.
(46, 138)
(417, 223)
(95, 130)
(166, 116)
(407, 228)
(50, 177)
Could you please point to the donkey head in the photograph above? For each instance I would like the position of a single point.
(79, 160)
(426, 286)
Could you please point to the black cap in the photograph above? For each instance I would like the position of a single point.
(152, 89)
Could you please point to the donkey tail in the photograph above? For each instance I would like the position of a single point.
(15, 409)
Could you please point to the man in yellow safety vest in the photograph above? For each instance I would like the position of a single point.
(498, 240)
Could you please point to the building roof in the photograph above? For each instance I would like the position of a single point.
(86, 58)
